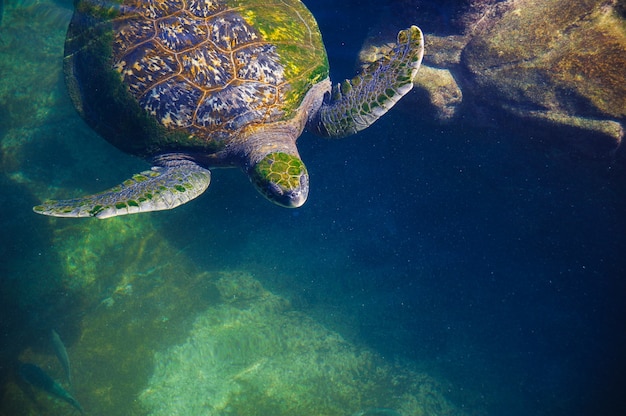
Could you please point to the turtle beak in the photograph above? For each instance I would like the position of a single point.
(291, 198)
(298, 197)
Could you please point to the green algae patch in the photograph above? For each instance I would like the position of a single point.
(134, 298)
(538, 49)
(291, 28)
(230, 348)
(279, 168)
(559, 63)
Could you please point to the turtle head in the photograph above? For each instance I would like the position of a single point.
(282, 178)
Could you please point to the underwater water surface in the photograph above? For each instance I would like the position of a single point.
(436, 269)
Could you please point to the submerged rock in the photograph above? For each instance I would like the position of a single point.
(556, 62)
(555, 67)
(253, 354)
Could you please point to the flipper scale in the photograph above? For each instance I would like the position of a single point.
(357, 103)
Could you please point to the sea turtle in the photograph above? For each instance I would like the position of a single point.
(196, 84)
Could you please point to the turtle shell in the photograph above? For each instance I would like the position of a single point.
(153, 76)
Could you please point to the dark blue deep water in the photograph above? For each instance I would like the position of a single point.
(490, 260)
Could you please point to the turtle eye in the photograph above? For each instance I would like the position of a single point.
(274, 189)
(289, 198)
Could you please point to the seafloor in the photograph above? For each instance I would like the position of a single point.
(435, 270)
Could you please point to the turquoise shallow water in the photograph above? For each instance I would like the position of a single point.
(434, 270)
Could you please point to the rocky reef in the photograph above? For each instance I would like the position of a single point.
(553, 67)
(252, 354)
(557, 63)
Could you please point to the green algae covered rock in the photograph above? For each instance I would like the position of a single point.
(246, 352)
(254, 355)
(554, 67)
(555, 61)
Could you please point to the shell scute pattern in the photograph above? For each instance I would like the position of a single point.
(206, 67)
(172, 102)
(198, 66)
(230, 31)
(132, 32)
(147, 68)
(216, 110)
(260, 63)
(180, 32)
(156, 9)
(205, 8)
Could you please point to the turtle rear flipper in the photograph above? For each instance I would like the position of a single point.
(161, 188)
(357, 103)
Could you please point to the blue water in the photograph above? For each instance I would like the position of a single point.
(490, 261)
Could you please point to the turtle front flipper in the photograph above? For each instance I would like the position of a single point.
(162, 187)
(357, 103)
